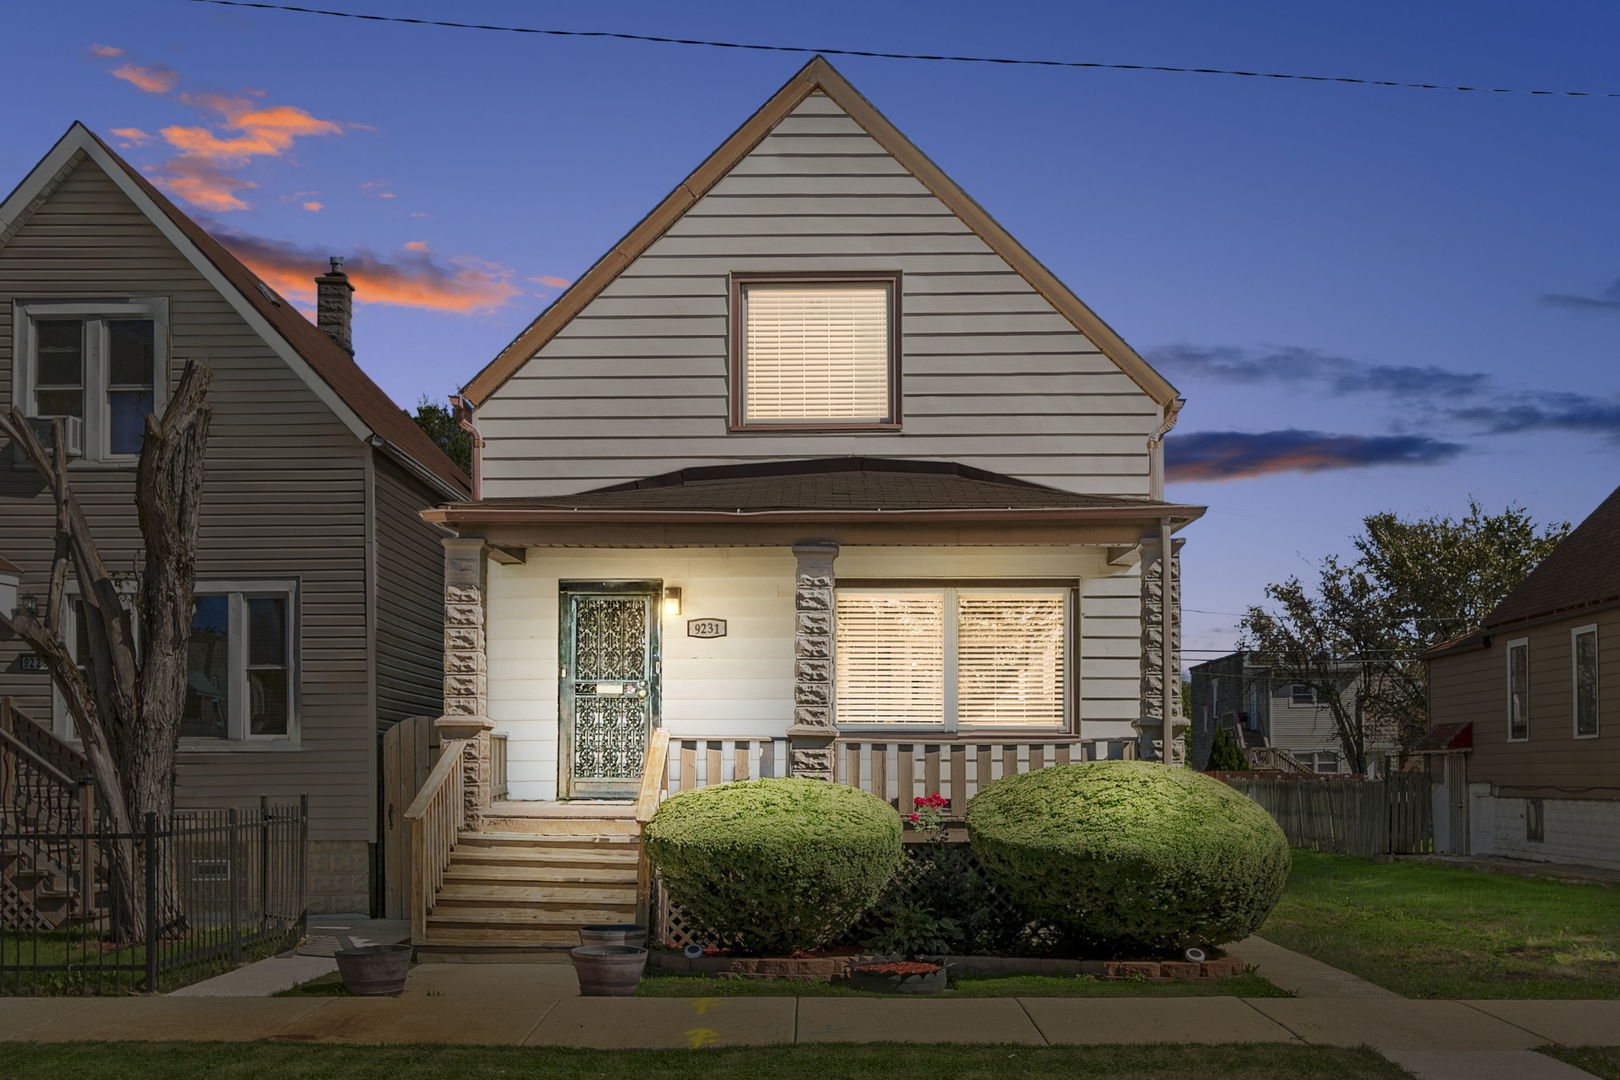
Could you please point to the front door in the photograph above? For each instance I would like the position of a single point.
(609, 685)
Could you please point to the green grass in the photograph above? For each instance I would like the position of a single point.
(328, 985)
(71, 958)
(659, 984)
(1600, 1061)
(872, 1061)
(1429, 931)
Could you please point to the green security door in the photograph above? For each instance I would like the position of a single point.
(609, 685)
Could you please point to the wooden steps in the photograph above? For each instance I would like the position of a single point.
(525, 885)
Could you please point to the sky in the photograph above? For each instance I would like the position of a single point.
(1372, 298)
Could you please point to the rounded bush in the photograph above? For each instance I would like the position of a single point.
(1123, 857)
(769, 866)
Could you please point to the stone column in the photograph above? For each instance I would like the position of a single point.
(465, 688)
(1161, 654)
(814, 727)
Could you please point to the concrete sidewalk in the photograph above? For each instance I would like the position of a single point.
(326, 934)
(538, 1005)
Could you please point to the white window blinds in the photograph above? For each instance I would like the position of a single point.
(1009, 659)
(816, 352)
(890, 667)
(950, 658)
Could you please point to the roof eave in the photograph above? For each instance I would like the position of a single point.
(476, 513)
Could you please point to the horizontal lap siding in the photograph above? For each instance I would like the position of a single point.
(1472, 686)
(284, 498)
(410, 606)
(992, 375)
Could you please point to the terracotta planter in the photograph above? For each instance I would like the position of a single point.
(608, 970)
(374, 971)
(874, 978)
(614, 934)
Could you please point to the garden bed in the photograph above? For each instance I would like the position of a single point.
(830, 968)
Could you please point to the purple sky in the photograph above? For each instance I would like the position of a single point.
(1372, 298)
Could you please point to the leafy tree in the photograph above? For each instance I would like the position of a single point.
(1224, 753)
(439, 423)
(1355, 637)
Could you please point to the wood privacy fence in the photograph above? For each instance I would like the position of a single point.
(1346, 815)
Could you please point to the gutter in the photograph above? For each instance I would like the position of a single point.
(414, 467)
(1172, 412)
(471, 514)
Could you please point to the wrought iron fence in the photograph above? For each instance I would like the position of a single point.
(89, 910)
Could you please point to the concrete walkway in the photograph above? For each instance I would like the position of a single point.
(326, 934)
(1302, 976)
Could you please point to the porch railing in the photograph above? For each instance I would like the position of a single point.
(497, 765)
(435, 819)
(702, 761)
(898, 771)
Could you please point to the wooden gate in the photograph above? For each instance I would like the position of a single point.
(409, 750)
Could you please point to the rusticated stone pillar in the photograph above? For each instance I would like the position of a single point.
(814, 726)
(465, 688)
(1161, 654)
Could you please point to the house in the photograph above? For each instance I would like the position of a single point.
(319, 614)
(1278, 723)
(1526, 742)
(817, 472)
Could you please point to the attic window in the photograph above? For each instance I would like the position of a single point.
(814, 352)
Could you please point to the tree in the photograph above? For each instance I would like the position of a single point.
(440, 425)
(1224, 753)
(1357, 636)
(126, 702)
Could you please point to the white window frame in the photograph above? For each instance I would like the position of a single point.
(1294, 696)
(950, 724)
(237, 733)
(1574, 682)
(1517, 643)
(97, 414)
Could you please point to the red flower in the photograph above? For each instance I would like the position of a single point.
(914, 817)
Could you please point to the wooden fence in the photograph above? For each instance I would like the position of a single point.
(1346, 815)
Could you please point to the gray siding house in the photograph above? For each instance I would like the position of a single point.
(1239, 693)
(312, 558)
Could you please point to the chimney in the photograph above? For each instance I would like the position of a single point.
(334, 305)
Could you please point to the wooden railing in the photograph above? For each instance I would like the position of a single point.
(497, 766)
(45, 801)
(900, 770)
(1274, 759)
(702, 761)
(653, 779)
(435, 820)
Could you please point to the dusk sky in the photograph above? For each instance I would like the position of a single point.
(1372, 298)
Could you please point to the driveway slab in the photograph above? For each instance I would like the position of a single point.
(665, 1023)
(1394, 1025)
(1091, 1021)
(166, 1018)
(1484, 1065)
(1304, 976)
(19, 1015)
(1567, 1023)
(459, 1019)
(995, 1020)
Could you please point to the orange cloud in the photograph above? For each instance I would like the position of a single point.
(314, 207)
(202, 183)
(416, 245)
(132, 136)
(107, 51)
(462, 284)
(551, 280)
(153, 78)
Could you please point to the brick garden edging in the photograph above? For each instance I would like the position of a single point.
(830, 968)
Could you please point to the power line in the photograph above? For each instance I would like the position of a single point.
(1009, 61)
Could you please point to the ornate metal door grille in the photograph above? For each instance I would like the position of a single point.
(609, 687)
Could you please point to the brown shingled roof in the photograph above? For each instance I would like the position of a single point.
(334, 365)
(1583, 571)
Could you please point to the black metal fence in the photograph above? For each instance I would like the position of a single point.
(93, 911)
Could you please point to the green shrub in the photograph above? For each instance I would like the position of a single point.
(1129, 857)
(768, 866)
(1224, 753)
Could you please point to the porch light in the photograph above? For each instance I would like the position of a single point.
(672, 600)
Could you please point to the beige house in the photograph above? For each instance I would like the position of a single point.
(1526, 710)
(816, 472)
(318, 612)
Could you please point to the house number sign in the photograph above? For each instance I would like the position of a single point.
(705, 628)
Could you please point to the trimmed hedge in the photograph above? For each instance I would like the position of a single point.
(769, 866)
(1130, 857)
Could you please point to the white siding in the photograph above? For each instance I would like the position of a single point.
(992, 375)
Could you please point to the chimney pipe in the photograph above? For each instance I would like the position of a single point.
(334, 305)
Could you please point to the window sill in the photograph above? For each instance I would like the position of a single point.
(235, 746)
(812, 428)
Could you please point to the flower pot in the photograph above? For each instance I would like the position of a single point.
(614, 934)
(898, 978)
(375, 970)
(608, 970)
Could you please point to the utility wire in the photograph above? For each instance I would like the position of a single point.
(1012, 61)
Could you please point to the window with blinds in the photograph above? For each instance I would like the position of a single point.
(953, 658)
(815, 352)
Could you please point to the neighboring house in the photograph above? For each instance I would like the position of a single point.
(1238, 692)
(1526, 711)
(319, 613)
(817, 472)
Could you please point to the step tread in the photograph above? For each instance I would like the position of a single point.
(503, 937)
(520, 857)
(503, 836)
(541, 875)
(569, 918)
(498, 891)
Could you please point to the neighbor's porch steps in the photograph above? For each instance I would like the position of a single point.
(522, 885)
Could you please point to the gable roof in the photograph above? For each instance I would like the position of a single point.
(817, 75)
(1582, 571)
(329, 371)
(822, 489)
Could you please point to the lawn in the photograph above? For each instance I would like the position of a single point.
(72, 962)
(658, 984)
(284, 1061)
(1600, 1061)
(1429, 931)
